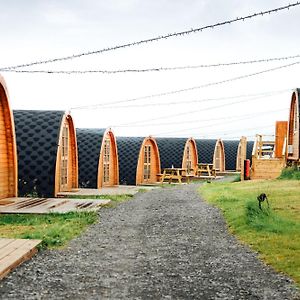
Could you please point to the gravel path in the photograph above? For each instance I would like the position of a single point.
(162, 244)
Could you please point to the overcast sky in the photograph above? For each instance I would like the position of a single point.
(37, 30)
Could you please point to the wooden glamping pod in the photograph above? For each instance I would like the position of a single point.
(211, 151)
(97, 158)
(138, 160)
(178, 153)
(293, 128)
(47, 152)
(8, 149)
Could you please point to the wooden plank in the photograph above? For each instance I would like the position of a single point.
(20, 251)
(48, 205)
(10, 247)
(4, 242)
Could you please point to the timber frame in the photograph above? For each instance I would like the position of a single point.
(8, 148)
(148, 165)
(293, 128)
(108, 167)
(71, 169)
(219, 156)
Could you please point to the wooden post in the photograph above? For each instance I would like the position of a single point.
(243, 142)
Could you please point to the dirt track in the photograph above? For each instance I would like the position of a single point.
(163, 244)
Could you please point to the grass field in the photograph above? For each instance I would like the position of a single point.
(273, 232)
(55, 230)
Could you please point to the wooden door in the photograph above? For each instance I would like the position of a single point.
(218, 157)
(147, 163)
(188, 159)
(106, 162)
(64, 158)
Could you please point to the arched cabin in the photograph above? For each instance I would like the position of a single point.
(139, 160)
(8, 149)
(97, 158)
(178, 152)
(47, 152)
(211, 151)
(293, 128)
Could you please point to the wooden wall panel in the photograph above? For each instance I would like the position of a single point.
(72, 179)
(154, 159)
(113, 161)
(190, 150)
(8, 155)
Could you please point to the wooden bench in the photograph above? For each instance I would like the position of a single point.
(207, 169)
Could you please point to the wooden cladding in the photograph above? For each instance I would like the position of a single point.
(66, 177)
(293, 129)
(190, 156)
(219, 157)
(148, 162)
(8, 153)
(108, 168)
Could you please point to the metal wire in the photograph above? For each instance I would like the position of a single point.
(157, 69)
(161, 37)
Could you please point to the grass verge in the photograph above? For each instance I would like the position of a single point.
(273, 232)
(55, 230)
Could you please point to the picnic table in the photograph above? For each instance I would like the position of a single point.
(175, 174)
(207, 169)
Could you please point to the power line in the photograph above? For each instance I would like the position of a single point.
(231, 120)
(156, 69)
(94, 106)
(267, 94)
(191, 111)
(227, 133)
(204, 120)
(161, 37)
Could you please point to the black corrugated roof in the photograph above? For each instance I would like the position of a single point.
(128, 153)
(89, 141)
(171, 151)
(231, 150)
(206, 150)
(37, 134)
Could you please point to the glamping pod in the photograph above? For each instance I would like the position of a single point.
(8, 150)
(138, 160)
(212, 152)
(178, 152)
(97, 158)
(47, 152)
(293, 128)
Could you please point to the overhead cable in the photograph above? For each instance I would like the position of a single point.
(156, 69)
(231, 120)
(94, 106)
(161, 37)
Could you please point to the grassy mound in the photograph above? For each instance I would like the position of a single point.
(274, 231)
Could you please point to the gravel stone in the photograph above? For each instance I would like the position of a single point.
(163, 244)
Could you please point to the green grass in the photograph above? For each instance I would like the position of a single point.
(55, 230)
(291, 173)
(273, 232)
